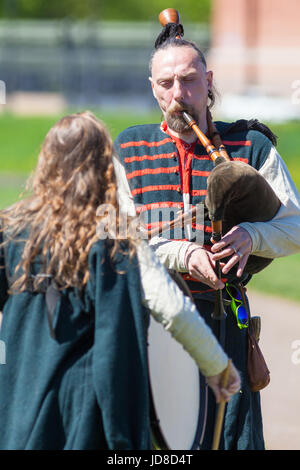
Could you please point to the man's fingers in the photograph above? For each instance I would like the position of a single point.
(237, 240)
(208, 277)
(242, 264)
(236, 244)
(223, 254)
(202, 267)
(226, 240)
(233, 261)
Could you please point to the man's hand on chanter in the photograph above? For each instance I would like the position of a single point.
(201, 266)
(236, 242)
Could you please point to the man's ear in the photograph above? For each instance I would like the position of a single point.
(209, 77)
(152, 84)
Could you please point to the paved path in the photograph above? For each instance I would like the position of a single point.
(280, 343)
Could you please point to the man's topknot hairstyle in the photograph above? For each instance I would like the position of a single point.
(171, 36)
(170, 31)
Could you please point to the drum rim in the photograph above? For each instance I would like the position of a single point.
(158, 440)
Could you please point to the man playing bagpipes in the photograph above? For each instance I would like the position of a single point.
(167, 166)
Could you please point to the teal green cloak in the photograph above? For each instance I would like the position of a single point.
(88, 387)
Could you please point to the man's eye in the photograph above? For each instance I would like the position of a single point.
(166, 83)
(188, 79)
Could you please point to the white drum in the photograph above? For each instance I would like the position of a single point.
(178, 393)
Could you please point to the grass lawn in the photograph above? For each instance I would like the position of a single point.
(9, 194)
(281, 278)
(21, 138)
(289, 147)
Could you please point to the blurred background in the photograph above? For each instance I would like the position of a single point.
(96, 53)
(86, 54)
(69, 55)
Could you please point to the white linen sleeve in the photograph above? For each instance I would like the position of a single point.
(281, 235)
(170, 252)
(125, 198)
(178, 314)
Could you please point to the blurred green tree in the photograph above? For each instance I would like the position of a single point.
(128, 10)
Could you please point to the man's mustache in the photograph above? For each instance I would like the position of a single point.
(180, 108)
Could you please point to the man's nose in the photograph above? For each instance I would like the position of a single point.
(178, 92)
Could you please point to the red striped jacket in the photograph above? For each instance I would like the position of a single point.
(160, 171)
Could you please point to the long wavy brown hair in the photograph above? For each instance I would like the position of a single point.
(73, 177)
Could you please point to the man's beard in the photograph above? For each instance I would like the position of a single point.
(175, 119)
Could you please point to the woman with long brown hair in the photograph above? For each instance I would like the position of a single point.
(76, 307)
